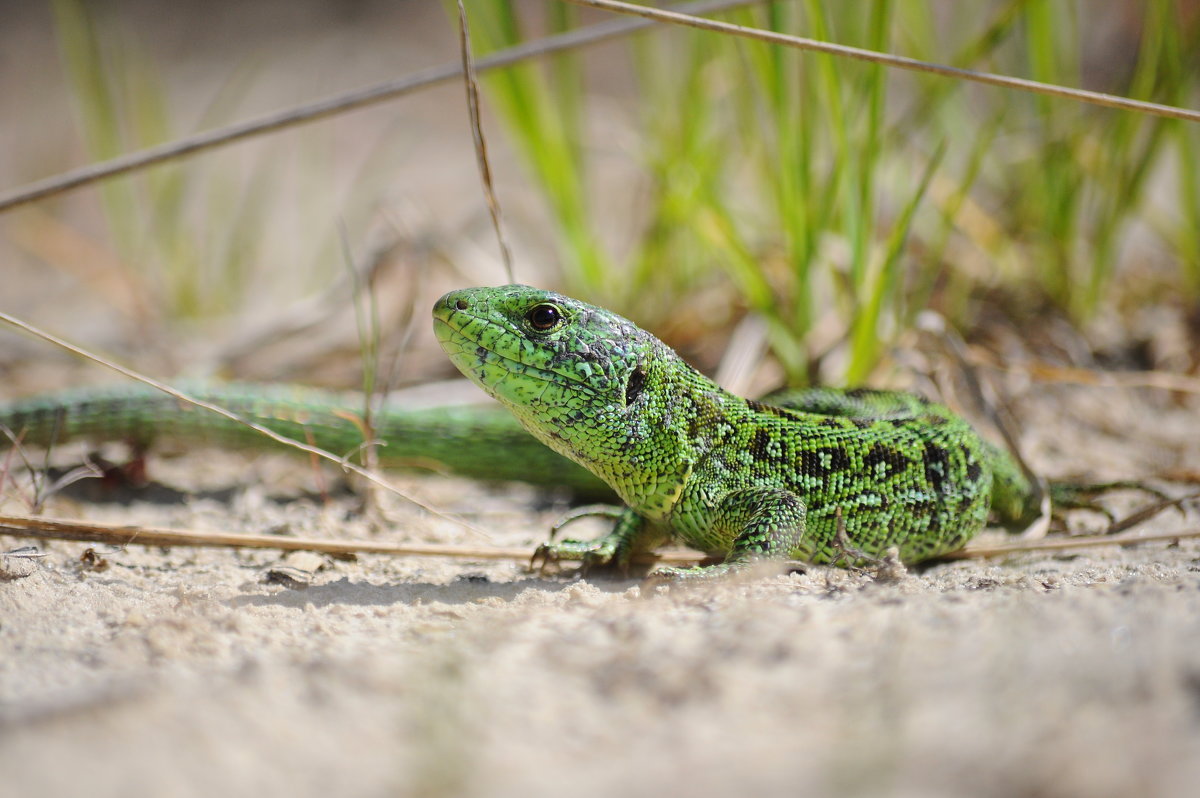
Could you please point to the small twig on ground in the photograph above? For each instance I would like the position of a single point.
(40, 489)
(125, 535)
(20, 562)
(1146, 513)
(1044, 372)
(119, 535)
(6, 476)
(369, 341)
(1066, 543)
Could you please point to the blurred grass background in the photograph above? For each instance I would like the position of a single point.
(686, 179)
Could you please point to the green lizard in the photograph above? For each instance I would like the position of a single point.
(735, 478)
(795, 478)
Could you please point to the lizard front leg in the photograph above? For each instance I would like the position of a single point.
(630, 534)
(765, 524)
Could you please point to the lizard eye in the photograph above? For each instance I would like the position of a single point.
(544, 317)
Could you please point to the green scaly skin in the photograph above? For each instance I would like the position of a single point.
(482, 443)
(736, 478)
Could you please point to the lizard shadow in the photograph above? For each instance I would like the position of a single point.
(103, 491)
(463, 591)
(122, 492)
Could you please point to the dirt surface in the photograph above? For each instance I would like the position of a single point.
(189, 672)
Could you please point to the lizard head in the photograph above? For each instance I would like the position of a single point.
(586, 382)
(540, 352)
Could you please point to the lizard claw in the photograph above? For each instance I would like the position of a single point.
(542, 557)
(696, 575)
(591, 555)
(595, 560)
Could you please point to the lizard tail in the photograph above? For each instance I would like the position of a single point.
(474, 441)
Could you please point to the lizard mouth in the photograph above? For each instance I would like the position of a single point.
(488, 368)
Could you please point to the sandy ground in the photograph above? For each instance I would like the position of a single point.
(187, 672)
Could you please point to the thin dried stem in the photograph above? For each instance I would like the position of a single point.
(978, 551)
(118, 535)
(125, 535)
(678, 17)
(1044, 372)
(481, 156)
(336, 105)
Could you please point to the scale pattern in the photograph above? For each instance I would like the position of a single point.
(478, 442)
(729, 476)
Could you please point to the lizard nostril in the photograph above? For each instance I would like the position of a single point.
(461, 304)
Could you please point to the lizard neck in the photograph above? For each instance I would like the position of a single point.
(647, 449)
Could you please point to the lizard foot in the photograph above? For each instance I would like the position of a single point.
(1082, 496)
(680, 577)
(854, 559)
(590, 554)
(729, 570)
(614, 550)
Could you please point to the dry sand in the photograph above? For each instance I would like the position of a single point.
(184, 672)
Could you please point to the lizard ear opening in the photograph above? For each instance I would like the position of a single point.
(633, 387)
